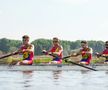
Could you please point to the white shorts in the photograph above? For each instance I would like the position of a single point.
(27, 62)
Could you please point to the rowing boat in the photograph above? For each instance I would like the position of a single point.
(51, 67)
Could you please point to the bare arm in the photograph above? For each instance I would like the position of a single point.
(29, 49)
(76, 53)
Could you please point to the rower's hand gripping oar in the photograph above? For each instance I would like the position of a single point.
(51, 54)
(99, 55)
(64, 58)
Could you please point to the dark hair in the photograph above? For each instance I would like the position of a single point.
(55, 38)
(25, 36)
(106, 43)
(85, 42)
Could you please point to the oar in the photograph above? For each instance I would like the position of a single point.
(81, 65)
(64, 58)
(104, 56)
(99, 55)
(7, 55)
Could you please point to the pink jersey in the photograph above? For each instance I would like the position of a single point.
(27, 55)
(57, 49)
(105, 51)
(86, 54)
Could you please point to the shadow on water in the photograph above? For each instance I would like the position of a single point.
(56, 77)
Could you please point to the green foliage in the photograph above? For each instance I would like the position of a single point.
(4, 45)
(41, 44)
(7, 45)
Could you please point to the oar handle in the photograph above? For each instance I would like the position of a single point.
(105, 56)
(56, 55)
(66, 57)
(51, 54)
(101, 55)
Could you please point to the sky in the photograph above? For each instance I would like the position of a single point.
(66, 19)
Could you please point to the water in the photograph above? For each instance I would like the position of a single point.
(54, 80)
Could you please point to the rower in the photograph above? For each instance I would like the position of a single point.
(56, 51)
(104, 53)
(86, 53)
(27, 50)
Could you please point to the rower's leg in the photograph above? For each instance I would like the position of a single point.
(53, 62)
(84, 63)
(18, 63)
(106, 62)
(26, 62)
(13, 63)
(56, 62)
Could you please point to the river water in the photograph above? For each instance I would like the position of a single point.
(54, 80)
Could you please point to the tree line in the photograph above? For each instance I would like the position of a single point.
(7, 45)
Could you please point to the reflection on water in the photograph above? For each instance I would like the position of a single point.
(27, 79)
(56, 74)
(84, 71)
(106, 72)
(56, 77)
(54, 80)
